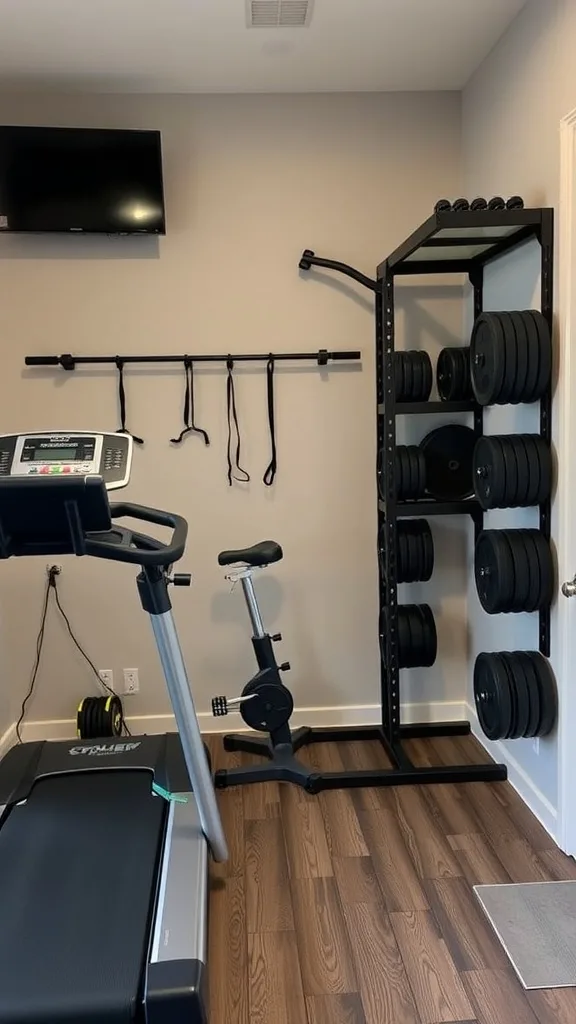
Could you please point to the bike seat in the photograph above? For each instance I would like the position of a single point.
(264, 553)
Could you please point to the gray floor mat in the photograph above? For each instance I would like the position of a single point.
(536, 924)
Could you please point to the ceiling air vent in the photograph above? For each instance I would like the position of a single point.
(279, 13)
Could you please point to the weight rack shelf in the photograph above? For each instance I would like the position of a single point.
(431, 507)
(418, 408)
(448, 242)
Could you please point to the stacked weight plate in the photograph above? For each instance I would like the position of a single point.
(410, 472)
(512, 471)
(510, 357)
(415, 555)
(514, 571)
(515, 694)
(453, 375)
(417, 639)
(413, 376)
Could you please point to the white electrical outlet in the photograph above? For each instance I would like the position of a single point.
(131, 681)
(536, 744)
(107, 677)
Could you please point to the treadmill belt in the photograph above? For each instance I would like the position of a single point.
(77, 884)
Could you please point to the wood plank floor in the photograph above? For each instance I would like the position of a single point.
(356, 907)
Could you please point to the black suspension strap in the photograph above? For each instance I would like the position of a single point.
(270, 473)
(123, 429)
(235, 472)
(189, 424)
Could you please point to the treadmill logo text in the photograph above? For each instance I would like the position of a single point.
(100, 749)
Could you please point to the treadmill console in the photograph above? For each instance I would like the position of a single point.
(54, 453)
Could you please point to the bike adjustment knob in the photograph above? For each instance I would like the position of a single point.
(181, 579)
(276, 637)
(285, 666)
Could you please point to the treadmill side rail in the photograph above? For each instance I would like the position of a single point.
(177, 992)
(181, 921)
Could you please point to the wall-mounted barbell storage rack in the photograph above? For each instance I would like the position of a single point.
(452, 243)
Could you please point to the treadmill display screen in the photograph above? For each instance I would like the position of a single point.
(69, 454)
(58, 449)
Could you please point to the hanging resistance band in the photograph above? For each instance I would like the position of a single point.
(270, 473)
(235, 472)
(189, 424)
(123, 429)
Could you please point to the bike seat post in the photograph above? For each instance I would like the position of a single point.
(252, 604)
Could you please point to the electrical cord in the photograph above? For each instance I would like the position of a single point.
(39, 645)
(51, 585)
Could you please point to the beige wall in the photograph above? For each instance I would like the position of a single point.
(250, 181)
(511, 115)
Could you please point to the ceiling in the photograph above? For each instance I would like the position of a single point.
(206, 46)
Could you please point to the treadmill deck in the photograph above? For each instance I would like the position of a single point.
(78, 872)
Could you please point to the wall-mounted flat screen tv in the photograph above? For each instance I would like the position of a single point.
(81, 180)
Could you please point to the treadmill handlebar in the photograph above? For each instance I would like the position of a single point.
(124, 545)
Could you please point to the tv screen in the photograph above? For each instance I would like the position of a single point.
(81, 180)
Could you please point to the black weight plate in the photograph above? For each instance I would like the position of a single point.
(519, 389)
(400, 462)
(494, 571)
(404, 635)
(540, 458)
(408, 376)
(510, 471)
(412, 473)
(504, 396)
(417, 653)
(534, 568)
(545, 354)
(488, 473)
(548, 693)
(413, 558)
(492, 696)
(520, 558)
(535, 448)
(533, 342)
(430, 645)
(520, 684)
(464, 360)
(487, 358)
(427, 554)
(448, 455)
(546, 566)
(415, 467)
(427, 376)
(533, 727)
(447, 375)
(417, 376)
(403, 560)
(399, 376)
(512, 729)
(522, 491)
(422, 473)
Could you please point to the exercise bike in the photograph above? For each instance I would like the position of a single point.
(265, 703)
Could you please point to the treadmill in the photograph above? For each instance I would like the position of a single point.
(103, 843)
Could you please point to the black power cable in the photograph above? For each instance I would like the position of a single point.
(39, 645)
(51, 585)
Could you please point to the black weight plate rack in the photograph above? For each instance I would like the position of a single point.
(453, 243)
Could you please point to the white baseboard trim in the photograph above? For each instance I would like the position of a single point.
(8, 739)
(540, 806)
(354, 714)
